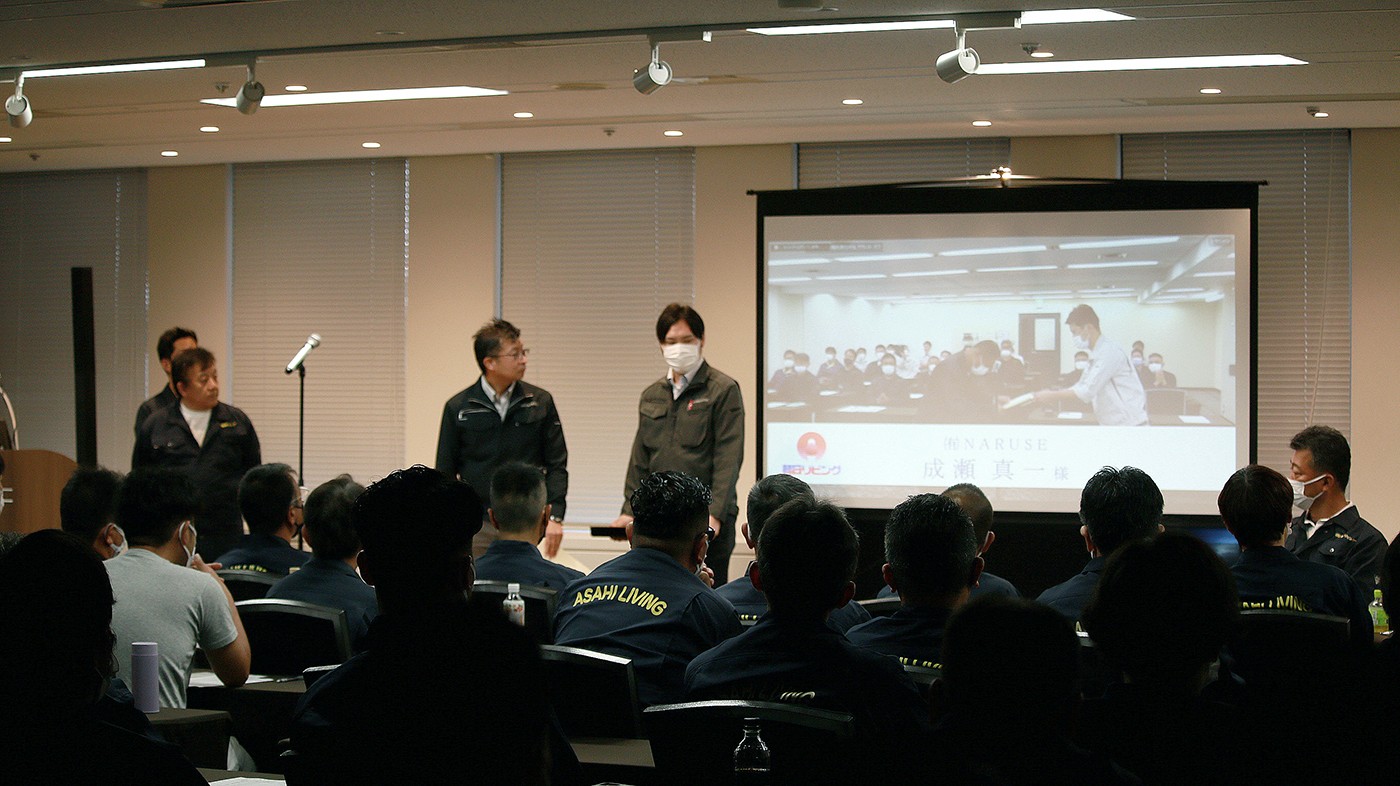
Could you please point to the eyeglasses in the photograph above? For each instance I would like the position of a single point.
(516, 355)
(708, 534)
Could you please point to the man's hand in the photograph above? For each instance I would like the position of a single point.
(706, 575)
(553, 536)
(200, 564)
(621, 523)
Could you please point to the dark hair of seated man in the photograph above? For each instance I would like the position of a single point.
(807, 555)
(327, 524)
(932, 551)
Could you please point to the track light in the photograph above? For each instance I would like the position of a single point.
(959, 63)
(250, 95)
(17, 106)
(655, 76)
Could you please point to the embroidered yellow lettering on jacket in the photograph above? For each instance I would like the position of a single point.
(621, 594)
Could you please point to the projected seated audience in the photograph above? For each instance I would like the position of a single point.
(1155, 374)
(961, 389)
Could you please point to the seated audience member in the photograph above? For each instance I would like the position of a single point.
(519, 513)
(1011, 369)
(1117, 506)
(978, 508)
(329, 578)
(775, 382)
(444, 693)
(801, 384)
(933, 564)
(55, 663)
(766, 496)
(165, 592)
(1155, 375)
(1255, 505)
(653, 604)
(1081, 364)
(887, 387)
(1162, 610)
(271, 503)
(962, 389)
(1007, 701)
(806, 567)
(829, 374)
(8, 540)
(87, 510)
(1330, 530)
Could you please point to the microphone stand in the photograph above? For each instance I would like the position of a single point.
(301, 435)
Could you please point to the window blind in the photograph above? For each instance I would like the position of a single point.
(826, 165)
(52, 222)
(322, 247)
(1304, 275)
(593, 245)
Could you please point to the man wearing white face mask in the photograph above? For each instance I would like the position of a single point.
(165, 593)
(691, 421)
(1330, 530)
(1110, 384)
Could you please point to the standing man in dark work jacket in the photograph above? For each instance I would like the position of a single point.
(503, 418)
(1330, 530)
(211, 442)
(171, 343)
(691, 421)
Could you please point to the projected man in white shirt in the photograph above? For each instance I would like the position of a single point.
(1110, 384)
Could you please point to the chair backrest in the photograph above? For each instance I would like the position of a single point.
(288, 636)
(248, 584)
(881, 607)
(923, 677)
(540, 603)
(1166, 401)
(594, 694)
(693, 743)
(311, 674)
(1283, 649)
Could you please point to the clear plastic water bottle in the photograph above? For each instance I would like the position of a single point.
(514, 605)
(751, 763)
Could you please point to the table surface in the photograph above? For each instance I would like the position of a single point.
(216, 776)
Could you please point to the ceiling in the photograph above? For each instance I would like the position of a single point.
(570, 63)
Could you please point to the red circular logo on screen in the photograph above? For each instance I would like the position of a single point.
(811, 445)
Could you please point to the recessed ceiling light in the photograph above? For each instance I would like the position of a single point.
(170, 153)
(4, 139)
(366, 96)
(1210, 91)
(1042, 54)
(673, 133)
(370, 145)
(1027, 18)
(524, 115)
(981, 123)
(117, 68)
(1138, 64)
(388, 32)
(209, 129)
(295, 88)
(1318, 113)
(852, 101)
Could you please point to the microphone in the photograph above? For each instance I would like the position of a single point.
(311, 343)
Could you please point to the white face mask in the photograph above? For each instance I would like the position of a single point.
(1006, 353)
(887, 370)
(120, 548)
(980, 371)
(800, 369)
(189, 550)
(1137, 361)
(682, 358)
(1081, 342)
(1302, 501)
(788, 362)
(1081, 364)
(831, 357)
(1154, 367)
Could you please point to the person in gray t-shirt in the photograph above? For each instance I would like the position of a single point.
(160, 599)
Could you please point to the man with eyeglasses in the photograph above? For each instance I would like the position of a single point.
(500, 419)
(271, 503)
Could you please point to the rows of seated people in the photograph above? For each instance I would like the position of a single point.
(1153, 621)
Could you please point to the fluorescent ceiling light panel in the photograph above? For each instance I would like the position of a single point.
(800, 261)
(1108, 294)
(1214, 274)
(1125, 263)
(367, 96)
(1017, 269)
(970, 252)
(1187, 289)
(885, 257)
(1063, 16)
(1049, 292)
(919, 273)
(115, 68)
(858, 277)
(1120, 242)
(789, 280)
(1136, 64)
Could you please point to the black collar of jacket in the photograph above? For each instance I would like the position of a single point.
(221, 413)
(523, 391)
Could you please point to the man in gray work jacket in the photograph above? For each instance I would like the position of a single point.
(502, 419)
(691, 421)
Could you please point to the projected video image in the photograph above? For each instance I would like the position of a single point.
(939, 349)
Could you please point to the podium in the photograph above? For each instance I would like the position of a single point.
(32, 482)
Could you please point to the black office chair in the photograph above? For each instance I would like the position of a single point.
(923, 677)
(311, 675)
(288, 636)
(594, 695)
(693, 743)
(1281, 650)
(248, 584)
(881, 607)
(540, 603)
